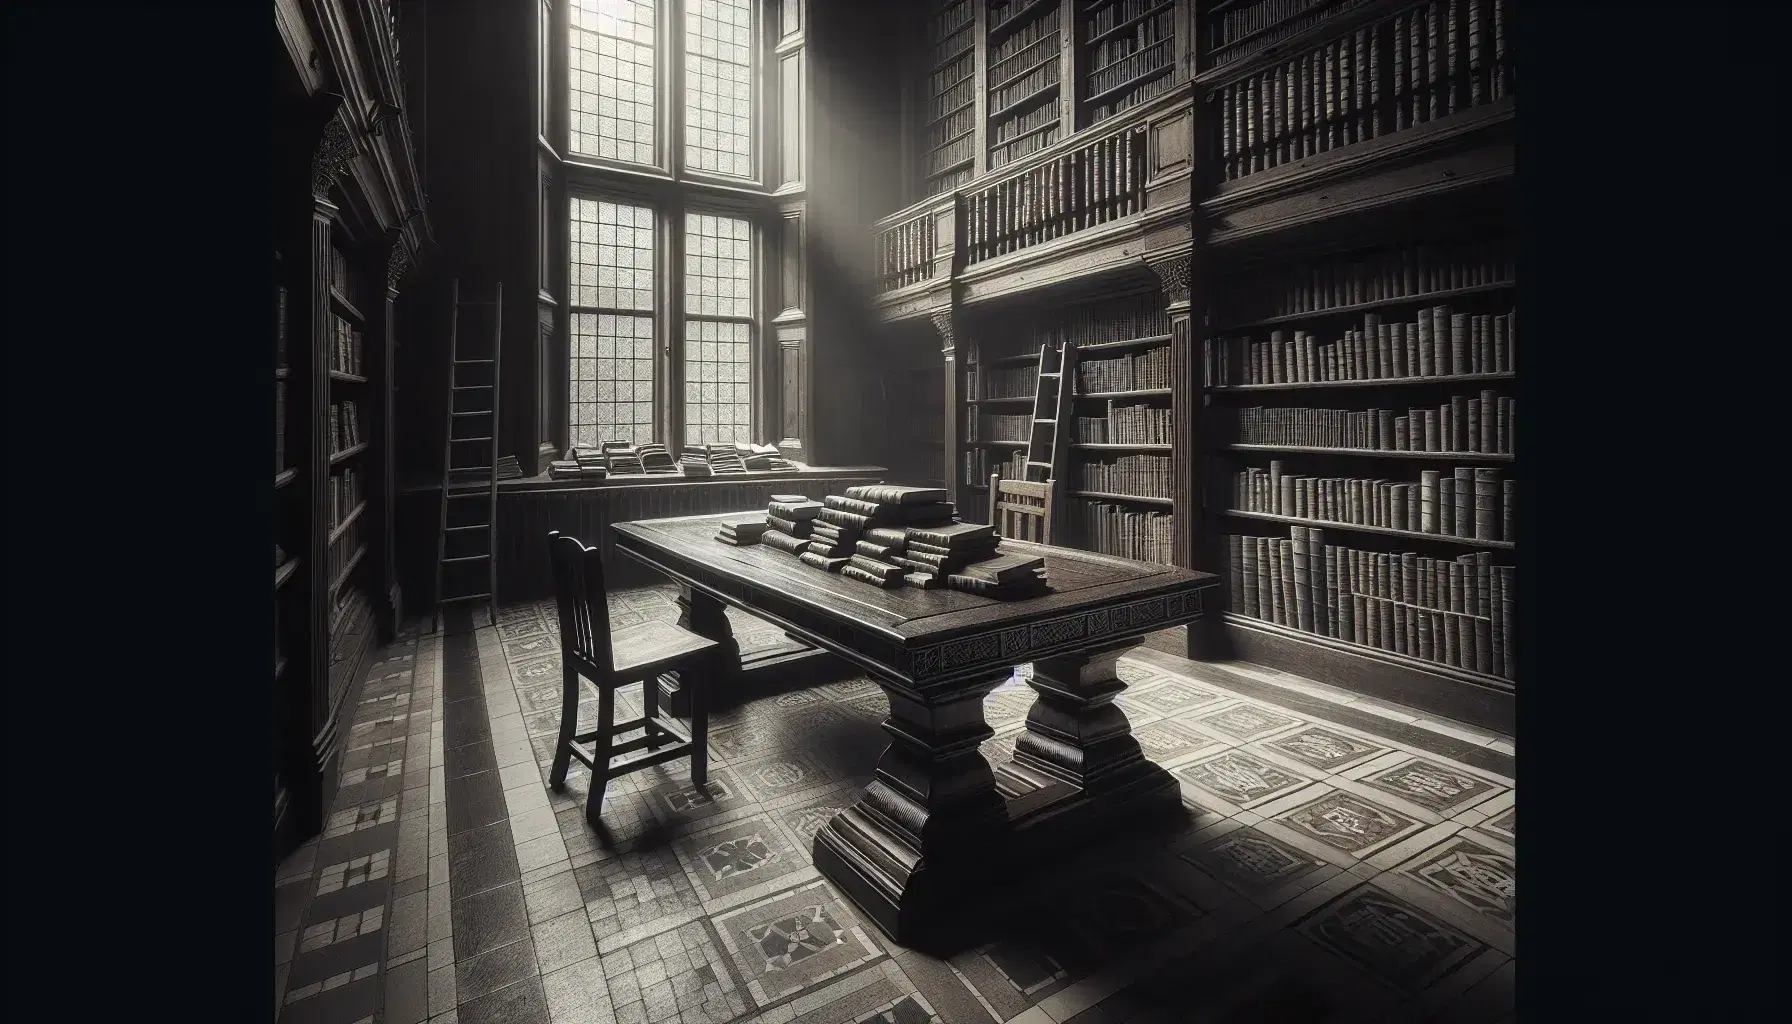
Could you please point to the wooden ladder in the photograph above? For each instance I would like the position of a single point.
(1048, 447)
(471, 433)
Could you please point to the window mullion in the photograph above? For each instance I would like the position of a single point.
(672, 294)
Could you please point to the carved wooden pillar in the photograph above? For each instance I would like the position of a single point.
(1187, 404)
(382, 369)
(335, 148)
(945, 321)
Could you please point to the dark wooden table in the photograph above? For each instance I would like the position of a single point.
(937, 820)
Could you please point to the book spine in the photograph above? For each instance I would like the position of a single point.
(1487, 502)
(1248, 570)
(1235, 571)
(1303, 580)
(1507, 612)
(1266, 584)
(1465, 502)
(1277, 593)
(1509, 510)
(1331, 591)
(1428, 499)
(1446, 505)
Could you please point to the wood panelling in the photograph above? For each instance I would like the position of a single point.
(790, 123)
(526, 517)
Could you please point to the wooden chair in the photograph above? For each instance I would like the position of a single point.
(609, 659)
(1021, 509)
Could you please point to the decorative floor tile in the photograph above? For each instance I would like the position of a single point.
(1347, 822)
(539, 645)
(1174, 697)
(1008, 705)
(873, 706)
(1390, 938)
(1477, 876)
(1246, 721)
(806, 819)
(739, 855)
(852, 689)
(1431, 785)
(1013, 973)
(516, 629)
(537, 672)
(782, 774)
(1239, 777)
(745, 741)
(882, 996)
(680, 799)
(1167, 740)
(794, 941)
(1505, 826)
(1252, 862)
(1325, 749)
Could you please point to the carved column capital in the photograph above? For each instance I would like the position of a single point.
(1173, 274)
(398, 263)
(947, 324)
(330, 159)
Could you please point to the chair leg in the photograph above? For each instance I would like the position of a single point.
(569, 727)
(650, 708)
(600, 771)
(699, 684)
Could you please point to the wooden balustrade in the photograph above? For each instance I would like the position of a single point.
(905, 252)
(1093, 183)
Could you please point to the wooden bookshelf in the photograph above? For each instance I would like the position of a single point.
(1127, 53)
(1024, 40)
(343, 243)
(948, 109)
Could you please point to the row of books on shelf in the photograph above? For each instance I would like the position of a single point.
(1002, 381)
(345, 426)
(953, 98)
(345, 350)
(1144, 476)
(1460, 613)
(1419, 65)
(340, 278)
(950, 19)
(957, 41)
(1042, 77)
(1138, 371)
(1002, 155)
(1155, 57)
(957, 73)
(1484, 425)
(993, 427)
(1146, 32)
(1121, 530)
(1238, 21)
(1120, 318)
(1040, 116)
(1438, 343)
(1126, 424)
(279, 425)
(955, 125)
(1348, 279)
(888, 536)
(1110, 16)
(345, 495)
(956, 151)
(979, 463)
(1033, 42)
(942, 183)
(1469, 503)
(1001, 14)
(342, 549)
(1146, 91)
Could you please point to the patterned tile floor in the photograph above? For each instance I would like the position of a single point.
(1341, 860)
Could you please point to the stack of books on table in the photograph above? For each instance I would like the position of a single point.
(742, 531)
(622, 457)
(579, 464)
(765, 458)
(848, 520)
(656, 459)
(725, 458)
(790, 519)
(694, 461)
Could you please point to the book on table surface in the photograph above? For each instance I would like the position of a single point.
(838, 549)
(923, 581)
(784, 542)
(842, 518)
(951, 563)
(895, 494)
(736, 540)
(794, 527)
(982, 548)
(833, 531)
(823, 562)
(871, 549)
(790, 497)
(794, 509)
(953, 535)
(888, 536)
(882, 570)
(750, 527)
(1006, 591)
(853, 572)
(915, 565)
(1005, 568)
(935, 514)
(868, 509)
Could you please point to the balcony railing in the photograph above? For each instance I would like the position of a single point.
(1095, 177)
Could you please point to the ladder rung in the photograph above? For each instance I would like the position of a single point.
(475, 302)
(476, 526)
(472, 362)
(1038, 419)
(472, 387)
(465, 597)
(1035, 462)
(1051, 375)
(469, 494)
(475, 412)
(465, 558)
(468, 440)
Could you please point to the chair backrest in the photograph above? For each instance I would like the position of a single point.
(584, 606)
(1021, 509)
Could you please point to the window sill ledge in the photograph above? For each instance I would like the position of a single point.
(799, 476)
